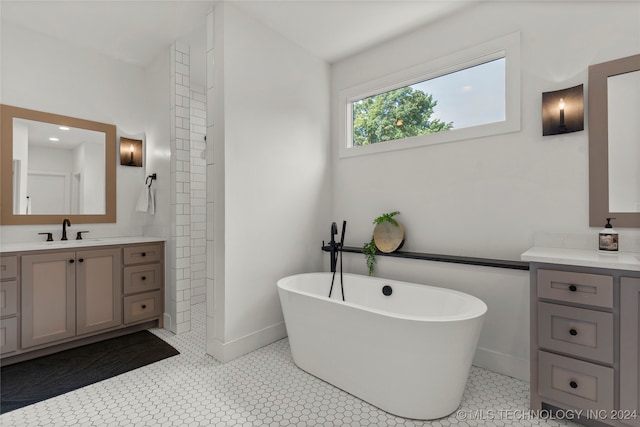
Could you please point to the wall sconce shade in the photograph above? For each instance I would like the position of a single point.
(563, 111)
(130, 152)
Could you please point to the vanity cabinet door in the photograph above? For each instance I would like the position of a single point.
(630, 349)
(98, 290)
(48, 303)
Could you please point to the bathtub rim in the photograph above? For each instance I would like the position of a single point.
(479, 309)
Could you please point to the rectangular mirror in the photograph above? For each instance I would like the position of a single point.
(56, 167)
(614, 142)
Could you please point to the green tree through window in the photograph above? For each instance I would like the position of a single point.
(397, 114)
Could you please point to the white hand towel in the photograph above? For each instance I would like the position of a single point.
(152, 202)
(143, 200)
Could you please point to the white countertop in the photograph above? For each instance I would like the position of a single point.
(584, 258)
(72, 244)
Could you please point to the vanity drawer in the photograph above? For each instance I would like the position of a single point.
(8, 267)
(143, 253)
(142, 278)
(575, 383)
(576, 331)
(8, 298)
(580, 288)
(8, 335)
(142, 307)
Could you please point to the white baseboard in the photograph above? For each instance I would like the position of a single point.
(502, 363)
(224, 352)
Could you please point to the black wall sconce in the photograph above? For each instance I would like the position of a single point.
(563, 111)
(130, 152)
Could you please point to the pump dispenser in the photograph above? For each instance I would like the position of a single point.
(608, 238)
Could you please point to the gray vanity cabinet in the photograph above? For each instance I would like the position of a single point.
(48, 298)
(630, 347)
(585, 342)
(98, 290)
(143, 279)
(8, 304)
(56, 298)
(65, 294)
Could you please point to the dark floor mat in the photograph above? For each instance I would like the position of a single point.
(39, 379)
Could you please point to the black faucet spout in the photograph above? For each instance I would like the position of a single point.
(65, 223)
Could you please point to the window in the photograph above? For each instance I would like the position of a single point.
(469, 94)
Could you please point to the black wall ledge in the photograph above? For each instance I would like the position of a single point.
(455, 259)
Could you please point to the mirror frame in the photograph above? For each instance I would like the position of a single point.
(599, 143)
(7, 217)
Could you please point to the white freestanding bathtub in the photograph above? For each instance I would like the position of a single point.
(408, 353)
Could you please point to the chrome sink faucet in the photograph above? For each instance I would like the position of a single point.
(65, 223)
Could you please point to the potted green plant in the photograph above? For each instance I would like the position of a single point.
(388, 235)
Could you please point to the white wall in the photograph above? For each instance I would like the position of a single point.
(158, 160)
(158, 148)
(485, 197)
(274, 126)
(44, 74)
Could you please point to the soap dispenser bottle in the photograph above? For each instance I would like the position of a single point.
(608, 238)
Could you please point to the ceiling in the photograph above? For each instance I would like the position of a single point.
(335, 29)
(137, 31)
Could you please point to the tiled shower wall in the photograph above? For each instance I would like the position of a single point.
(198, 195)
(210, 181)
(179, 295)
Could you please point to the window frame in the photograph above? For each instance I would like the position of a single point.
(507, 47)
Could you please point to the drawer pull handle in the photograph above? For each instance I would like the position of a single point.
(573, 288)
(144, 306)
(573, 332)
(143, 278)
(573, 384)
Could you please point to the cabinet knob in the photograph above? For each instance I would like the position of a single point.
(143, 278)
(573, 288)
(143, 254)
(573, 332)
(81, 260)
(573, 384)
(71, 261)
(144, 306)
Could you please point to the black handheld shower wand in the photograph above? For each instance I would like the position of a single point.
(335, 248)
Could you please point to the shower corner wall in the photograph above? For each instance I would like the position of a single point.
(188, 237)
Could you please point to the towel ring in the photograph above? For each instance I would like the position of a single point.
(149, 180)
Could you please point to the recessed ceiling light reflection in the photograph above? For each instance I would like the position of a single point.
(54, 139)
(63, 128)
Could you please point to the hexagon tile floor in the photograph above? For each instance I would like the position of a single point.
(263, 388)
